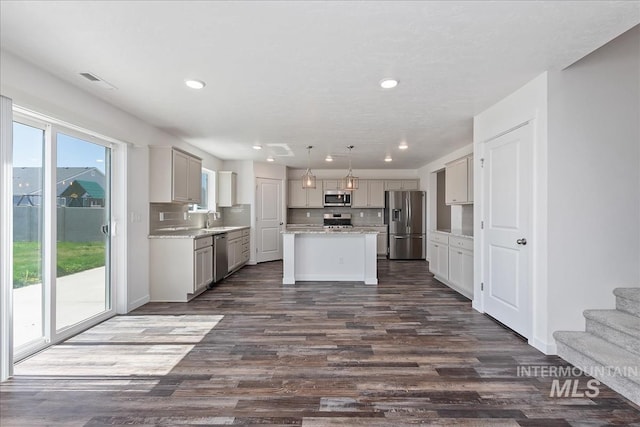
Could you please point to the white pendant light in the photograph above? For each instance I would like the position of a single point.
(308, 179)
(350, 182)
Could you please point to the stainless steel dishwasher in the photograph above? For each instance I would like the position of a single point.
(220, 263)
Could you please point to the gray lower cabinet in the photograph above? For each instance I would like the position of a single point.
(180, 268)
(381, 241)
(238, 243)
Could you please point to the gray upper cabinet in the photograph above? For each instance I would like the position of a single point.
(369, 194)
(330, 184)
(175, 176)
(401, 184)
(299, 197)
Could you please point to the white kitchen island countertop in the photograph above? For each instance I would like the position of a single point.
(329, 255)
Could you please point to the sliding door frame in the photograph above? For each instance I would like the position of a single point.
(116, 261)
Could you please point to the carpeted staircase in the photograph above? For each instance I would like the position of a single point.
(611, 344)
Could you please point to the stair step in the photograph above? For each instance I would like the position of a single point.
(617, 327)
(628, 300)
(605, 362)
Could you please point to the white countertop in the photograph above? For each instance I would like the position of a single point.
(453, 233)
(320, 230)
(193, 233)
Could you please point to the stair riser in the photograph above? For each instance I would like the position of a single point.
(614, 336)
(628, 306)
(624, 386)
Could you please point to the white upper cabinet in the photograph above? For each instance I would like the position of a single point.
(458, 181)
(227, 183)
(369, 194)
(299, 197)
(175, 176)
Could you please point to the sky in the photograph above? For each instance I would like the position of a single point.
(72, 152)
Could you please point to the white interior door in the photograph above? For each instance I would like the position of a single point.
(507, 199)
(268, 219)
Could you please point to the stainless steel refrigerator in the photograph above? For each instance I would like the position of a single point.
(404, 215)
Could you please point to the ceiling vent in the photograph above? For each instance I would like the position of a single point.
(98, 81)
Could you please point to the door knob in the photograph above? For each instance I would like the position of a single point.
(522, 241)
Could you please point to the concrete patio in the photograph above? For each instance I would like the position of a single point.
(79, 296)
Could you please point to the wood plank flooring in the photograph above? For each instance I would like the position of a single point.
(407, 352)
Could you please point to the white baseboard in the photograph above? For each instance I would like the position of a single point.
(138, 303)
(547, 348)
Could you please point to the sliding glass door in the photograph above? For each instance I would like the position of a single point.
(82, 211)
(61, 229)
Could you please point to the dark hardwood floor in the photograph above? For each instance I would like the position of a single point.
(407, 352)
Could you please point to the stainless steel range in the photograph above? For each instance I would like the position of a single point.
(336, 221)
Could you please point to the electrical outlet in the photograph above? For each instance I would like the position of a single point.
(308, 214)
(379, 214)
(361, 214)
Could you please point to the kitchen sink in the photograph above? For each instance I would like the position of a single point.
(219, 228)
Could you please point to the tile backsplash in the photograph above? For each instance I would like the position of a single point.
(238, 215)
(164, 216)
(369, 216)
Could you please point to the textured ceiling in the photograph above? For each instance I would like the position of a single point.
(291, 74)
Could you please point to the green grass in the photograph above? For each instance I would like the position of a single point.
(73, 257)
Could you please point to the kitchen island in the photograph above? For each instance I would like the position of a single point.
(329, 255)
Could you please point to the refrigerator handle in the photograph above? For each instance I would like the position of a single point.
(408, 195)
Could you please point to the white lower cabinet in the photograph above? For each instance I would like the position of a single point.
(461, 270)
(451, 261)
(181, 268)
(439, 264)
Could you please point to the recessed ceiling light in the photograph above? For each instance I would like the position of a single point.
(328, 159)
(257, 147)
(403, 145)
(270, 159)
(195, 84)
(388, 159)
(388, 83)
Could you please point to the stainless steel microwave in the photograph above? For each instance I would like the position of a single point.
(337, 198)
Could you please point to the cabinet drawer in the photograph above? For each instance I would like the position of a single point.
(440, 238)
(245, 247)
(246, 232)
(202, 242)
(245, 240)
(232, 235)
(461, 242)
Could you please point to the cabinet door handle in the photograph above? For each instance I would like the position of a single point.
(459, 253)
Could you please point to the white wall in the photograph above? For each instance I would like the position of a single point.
(594, 176)
(33, 88)
(529, 103)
